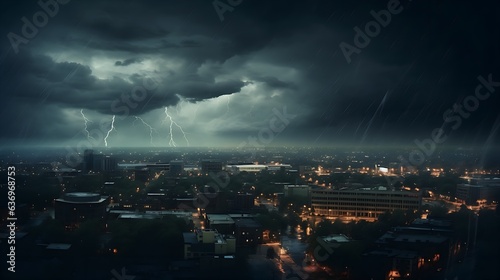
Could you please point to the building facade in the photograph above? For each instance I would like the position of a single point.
(297, 190)
(362, 203)
(477, 189)
(208, 166)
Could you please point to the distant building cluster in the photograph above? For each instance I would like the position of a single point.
(253, 168)
(98, 162)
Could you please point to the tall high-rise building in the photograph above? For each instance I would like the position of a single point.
(109, 163)
(97, 165)
(176, 167)
(88, 160)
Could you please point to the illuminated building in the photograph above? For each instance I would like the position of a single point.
(362, 203)
(248, 232)
(408, 252)
(246, 168)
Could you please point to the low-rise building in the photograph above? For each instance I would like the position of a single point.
(76, 207)
(221, 222)
(297, 190)
(208, 242)
(210, 165)
(248, 232)
(478, 189)
(251, 168)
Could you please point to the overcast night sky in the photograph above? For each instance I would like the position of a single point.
(221, 79)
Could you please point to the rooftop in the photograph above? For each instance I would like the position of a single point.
(432, 223)
(393, 253)
(139, 216)
(218, 217)
(412, 238)
(241, 216)
(420, 238)
(336, 238)
(247, 223)
(82, 197)
(58, 246)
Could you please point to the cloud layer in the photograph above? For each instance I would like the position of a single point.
(220, 80)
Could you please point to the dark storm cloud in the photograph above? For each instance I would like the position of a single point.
(72, 85)
(199, 90)
(127, 62)
(274, 82)
(424, 61)
(115, 30)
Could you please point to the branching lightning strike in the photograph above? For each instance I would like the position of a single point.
(86, 121)
(171, 141)
(109, 131)
(151, 129)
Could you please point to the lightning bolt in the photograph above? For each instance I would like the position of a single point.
(109, 131)
(86, 121)
(171, 141)
(151, 129)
